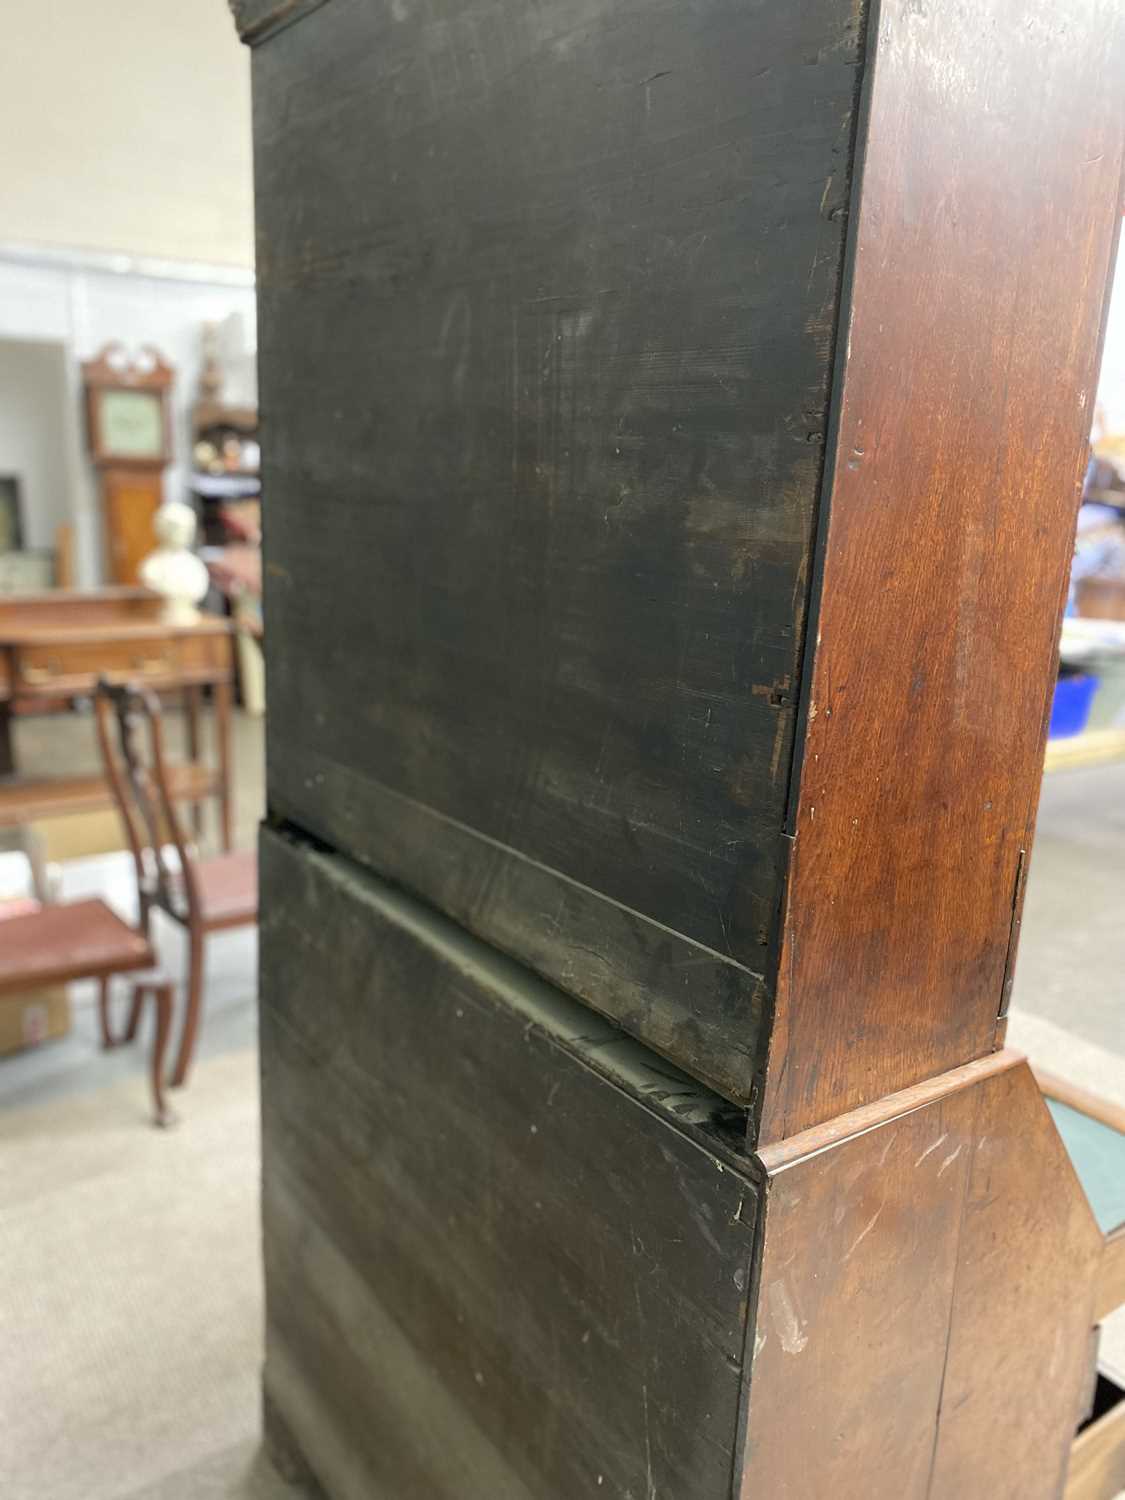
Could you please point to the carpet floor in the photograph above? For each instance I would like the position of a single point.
(131, 1338)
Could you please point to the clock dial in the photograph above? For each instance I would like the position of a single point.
(132, 424)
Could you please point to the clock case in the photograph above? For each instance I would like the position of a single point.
(131, 485)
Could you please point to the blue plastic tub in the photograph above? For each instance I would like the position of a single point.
(1073, 697)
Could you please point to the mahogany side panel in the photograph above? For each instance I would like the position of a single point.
(857, 1273)
(987, 216)
(1018, 1357)
(924, 1300)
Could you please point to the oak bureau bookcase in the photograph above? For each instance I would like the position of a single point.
(676, 414)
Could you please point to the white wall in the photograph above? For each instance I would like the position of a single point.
(126, 126)
(33, 411)
(126, 132)
(84, 306)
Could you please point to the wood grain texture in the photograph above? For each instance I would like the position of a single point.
(924, 1300)
(547, 303)
(130, 498)
(818, 1138)
(1018, 1348)
(859, 1260)
(686, 1001)
(507, 1251)
(983, 241)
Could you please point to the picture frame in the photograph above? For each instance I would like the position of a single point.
(11, 513)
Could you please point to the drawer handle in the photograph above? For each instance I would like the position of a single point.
(38, 674)
(150, 664)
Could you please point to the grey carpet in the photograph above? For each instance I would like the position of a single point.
(131, 1337)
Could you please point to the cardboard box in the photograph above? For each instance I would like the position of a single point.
(34, 1016)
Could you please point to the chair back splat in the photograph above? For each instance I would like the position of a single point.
(131, 738)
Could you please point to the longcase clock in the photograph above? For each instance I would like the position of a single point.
(128, 424)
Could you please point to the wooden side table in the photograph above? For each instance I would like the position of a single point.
(55, 647)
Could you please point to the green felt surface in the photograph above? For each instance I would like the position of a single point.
(1098, 1154)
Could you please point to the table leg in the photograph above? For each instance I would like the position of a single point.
(7, 749)
(191, 723)
(222, 737)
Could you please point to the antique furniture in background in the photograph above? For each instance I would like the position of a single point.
(1093, 1130)
(55, 646)
(203, 895)
(226, 478)
(676, 421)
(86, 940)
(236, 571)
(33, 570)
(226, 454)
(128, 423)
(11, 513)
(226, 481)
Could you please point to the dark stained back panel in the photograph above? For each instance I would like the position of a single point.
(507, 1252)
(548, 297)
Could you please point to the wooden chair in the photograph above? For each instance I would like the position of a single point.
(86, 940)
(205, 894)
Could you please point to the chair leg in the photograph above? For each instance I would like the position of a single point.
(162, 999)
(103, 1015)
(134, 1013)
(192, 1009)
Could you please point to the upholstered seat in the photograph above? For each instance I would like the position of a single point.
(228, 889)
(53, 944)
